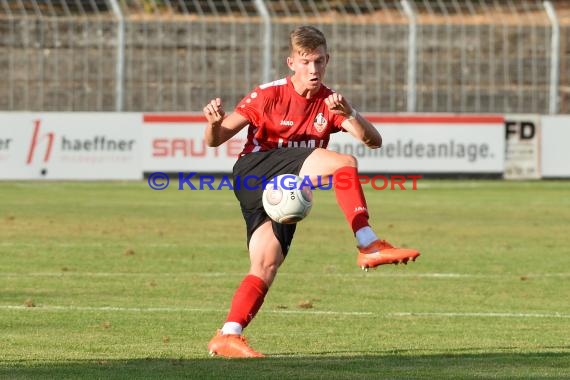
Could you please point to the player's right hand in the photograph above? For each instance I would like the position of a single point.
(214, 112)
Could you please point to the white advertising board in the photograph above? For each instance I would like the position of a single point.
(175, 143)
(124, 145)
(418, 144)
(430, 144)
(412, 144)
(70, 146)
(555, 155)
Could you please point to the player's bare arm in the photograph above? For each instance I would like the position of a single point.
(355, 124)
(221, 128)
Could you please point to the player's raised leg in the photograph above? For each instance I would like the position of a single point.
(321, 166)
(265, 257)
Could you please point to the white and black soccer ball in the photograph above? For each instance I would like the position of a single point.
(286, 200)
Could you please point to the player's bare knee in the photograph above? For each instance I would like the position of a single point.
(266, 272)
(348, 160)
(266, 265)
(271, 269)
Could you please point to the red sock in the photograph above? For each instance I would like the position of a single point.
(247, 300)
(350, 197)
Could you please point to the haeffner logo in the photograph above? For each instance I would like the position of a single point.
(96, 144)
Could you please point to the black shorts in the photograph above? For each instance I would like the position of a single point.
(261, 166)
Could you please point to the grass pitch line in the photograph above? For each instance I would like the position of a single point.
(281, 311)
(174, 310)
(285, 274)
(84, 245)
(481, 314)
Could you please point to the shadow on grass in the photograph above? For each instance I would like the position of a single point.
(499, 365)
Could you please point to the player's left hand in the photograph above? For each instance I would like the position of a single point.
(338, 105)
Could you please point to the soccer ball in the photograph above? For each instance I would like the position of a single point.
(286, 199)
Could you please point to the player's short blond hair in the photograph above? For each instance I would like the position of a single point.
(306, 39)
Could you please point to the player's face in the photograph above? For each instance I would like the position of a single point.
(309, 68)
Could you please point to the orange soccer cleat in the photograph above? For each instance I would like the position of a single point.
(380, 252)
(231, 346)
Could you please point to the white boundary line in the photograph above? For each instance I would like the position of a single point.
(357, 274)
(300, 312)
(173, 310)
(90, 245)
(484, 315)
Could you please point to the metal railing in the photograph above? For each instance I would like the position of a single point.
(472, 56)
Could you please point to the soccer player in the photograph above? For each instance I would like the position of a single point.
(289, 123)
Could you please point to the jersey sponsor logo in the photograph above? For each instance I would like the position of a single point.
(320, 122)
(288, 123)
(301, 144)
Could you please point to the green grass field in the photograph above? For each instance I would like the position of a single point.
(117, 281)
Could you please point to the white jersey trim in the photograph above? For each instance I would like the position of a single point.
(278, 82)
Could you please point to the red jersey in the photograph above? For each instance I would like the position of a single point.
(281, 118)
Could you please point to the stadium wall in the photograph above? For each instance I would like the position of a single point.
(468, 56)
(125, 146)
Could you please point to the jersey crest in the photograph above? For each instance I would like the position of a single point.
(320, 122)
